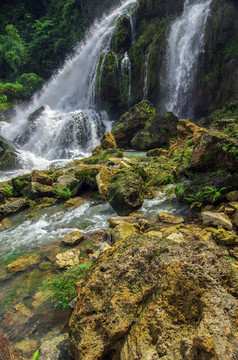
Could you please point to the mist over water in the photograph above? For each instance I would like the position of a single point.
(185, 44)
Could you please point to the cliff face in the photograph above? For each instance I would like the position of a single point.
(216, 81)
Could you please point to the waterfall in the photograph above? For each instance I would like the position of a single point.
(145, 87)
(69, 124)
(126, 78)
(184, 45)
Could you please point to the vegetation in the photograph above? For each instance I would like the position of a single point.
(60, 289)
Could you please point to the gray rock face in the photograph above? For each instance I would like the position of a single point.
(12, 207)
(214, 218)
(55, 349)
(8, 156)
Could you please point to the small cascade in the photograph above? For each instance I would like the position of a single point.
(126, 78)
(145, 87)
(133, 33)
(70, 124)
(184, 47)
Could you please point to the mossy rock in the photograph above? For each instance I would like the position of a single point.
(20, 183)
(126, 191)
(9, 160)
(133, 121)
(107, 82)
(122, 37)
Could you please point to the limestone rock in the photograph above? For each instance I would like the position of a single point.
(217, 219)
(131, 122)
(67, 259)
(70, 182)
(24, 262)
(232, 196)
(36, 190)
(235, 218)
(169, 218)
(223, 237)
(41, 177)
(108, 141)
(152, 298)
(55, 348)
(72, 204)
(117, 220)
(27, 346)
(16, 318)
(102, 247)
(8, 156)
(126, 192)
(122, 231)
(73, 238)
(12, 207)
(103, 179)
(160, 129)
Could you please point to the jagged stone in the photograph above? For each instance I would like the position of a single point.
(108, 141)
(73, 238)
(103, 179)
(36, 190)
(217, 219)
(55, 348)
(24, 262)
(74, 203)
(143, 298)
(122, 231)
(169, 218)
(67, 259)
(12, 207)
(42, 178)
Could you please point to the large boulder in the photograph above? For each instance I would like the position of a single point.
(12, 207)
(156, 298)
(126, 191)
(156, 132)
(131, 122)
(8, 155)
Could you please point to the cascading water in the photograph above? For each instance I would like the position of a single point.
(126, 78)
(69, 124)
(184, 46)
(145, 87)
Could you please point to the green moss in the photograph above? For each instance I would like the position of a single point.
(121, 39)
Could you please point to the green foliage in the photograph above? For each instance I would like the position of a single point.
(60, 288)
(207, 194)
(63, 194)
(36, 355)
(13, 49)
(31, 83)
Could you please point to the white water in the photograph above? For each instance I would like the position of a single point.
(70, 125)
(126, 76)
(184, 46)
(145, 87)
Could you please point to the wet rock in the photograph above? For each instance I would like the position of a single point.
(42, 178)
(24, 262)
(117, 220)
(103, 179)
(223, 237)
(122, 231)
(16, 318)
(122, 37)
(67, 259)
(12, 207)
(73, 238)
(235, 218)
(72, 204)
(169, 218)
(232, 196)
(126, 192)
(5, 224)
(153, 298)
(131, 122)
(36, 190)
(108, 141)
(19, 183)
(31, 128)
(27, 347)
(8, 156)
(102, 247)
(159, 130)
(217, 219)
(55, 349)
(68, 181)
